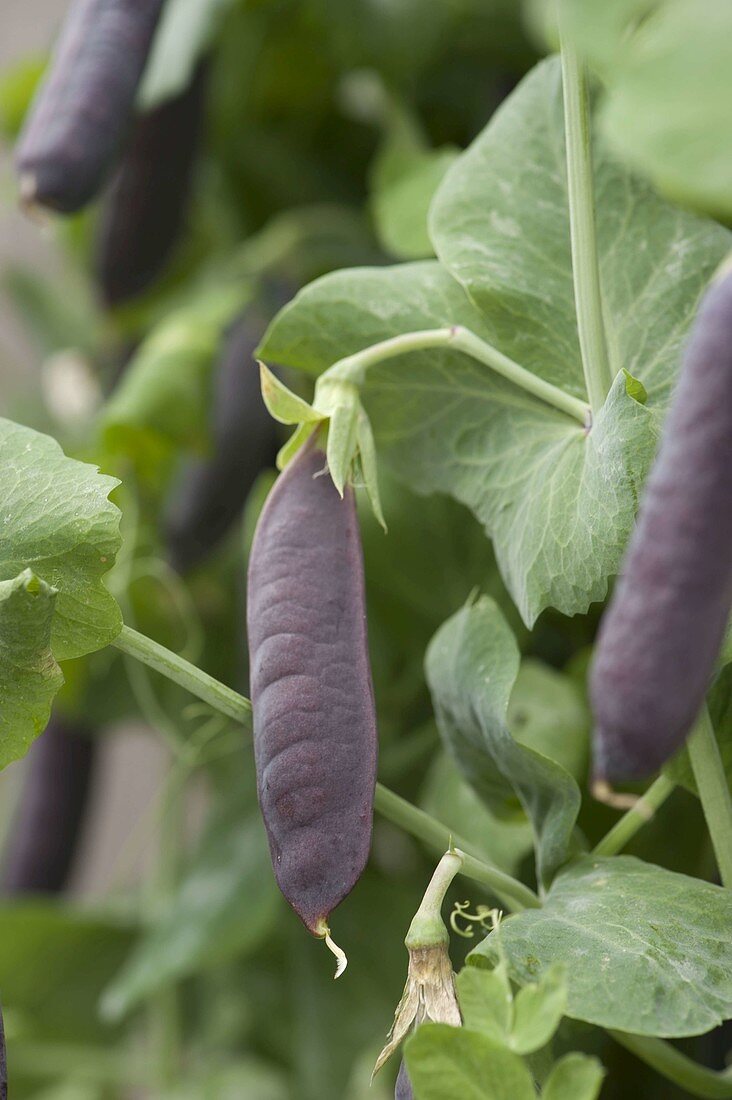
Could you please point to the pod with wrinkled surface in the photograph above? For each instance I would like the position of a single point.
(144, 211)
(44, 835)
(663, 629)
(314, 721)
(83, 108)
(212, 492)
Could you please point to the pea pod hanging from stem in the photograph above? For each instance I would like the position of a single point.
(663, 629)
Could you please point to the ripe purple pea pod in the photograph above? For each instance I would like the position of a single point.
(45, 830)
(315, 741)
(213, 491)
(84, 105)
(664, 627)
(144, 210)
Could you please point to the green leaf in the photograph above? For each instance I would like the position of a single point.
(558, 503)
(547, 712)
(162, 403)
(224, 907)
(504, 841)
(538, 1011)
(645, 950)
(59, 522)
(29, 675)
(486, 1002)
(185, 31)
(500, 223)
(453, 1061)
(667, 77)
(400, 206)
(471, 666)
(574, 1077)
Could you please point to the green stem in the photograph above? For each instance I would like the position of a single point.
(353, 368)
(585, 265)
(427, 928)
(639, 815)
(426, 828)
(675, 1066)
(711, 782)
(390, 805)
(186, 675)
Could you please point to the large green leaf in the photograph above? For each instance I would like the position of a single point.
(453, 1061)
(29, 675)
(224, 905)
(471, 665)
(500, 223)
(558, 502)
(57, 520)
(645, 950)
(668, 81)
(555, 501)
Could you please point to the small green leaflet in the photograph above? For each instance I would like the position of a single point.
(524, 1023)
(29, 675)
(574, 1077)
(56, 519)
(471, 666)
(645, 950)
(453, 1061)
(557, 502)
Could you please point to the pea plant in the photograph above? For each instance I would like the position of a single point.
(474, 697)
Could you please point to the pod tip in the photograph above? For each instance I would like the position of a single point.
(323, 931)
(28, 199)
(603, 792)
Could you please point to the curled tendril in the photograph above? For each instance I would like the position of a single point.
(486, 918)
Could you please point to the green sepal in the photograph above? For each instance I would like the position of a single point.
(282, 404)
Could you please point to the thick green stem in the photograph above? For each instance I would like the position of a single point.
(427, 927)
(585, 264)
(183, 673)
(426, 828)
(714, 792)
(674, 1066)
(639, 815)
(353, 368)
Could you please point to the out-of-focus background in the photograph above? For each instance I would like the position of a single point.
(131, 767)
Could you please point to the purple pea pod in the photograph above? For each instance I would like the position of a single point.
(84, 106)
(144, 211)
(315, 739)
(403, 1088)
(213, 491)
(45, 830)
(663, 630)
